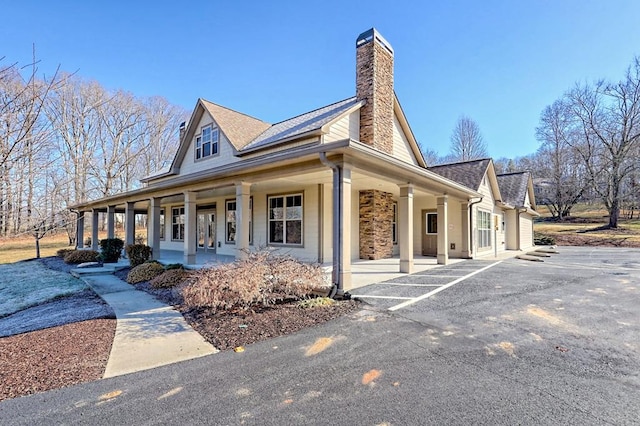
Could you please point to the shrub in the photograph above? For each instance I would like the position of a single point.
(315, 302)
(170, 278)
(263, 278)
(64, 252)
(81, 256)
(542, 239)
(138, 253)
(111, 248)
(145, 272)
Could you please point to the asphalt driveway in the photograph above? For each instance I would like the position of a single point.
(518, 343)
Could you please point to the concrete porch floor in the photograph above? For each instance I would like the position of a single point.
(363, 272)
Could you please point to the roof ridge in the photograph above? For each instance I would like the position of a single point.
(477, 160)
(233, 110)
(513, 173)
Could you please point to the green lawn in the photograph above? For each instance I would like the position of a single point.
(25, 284)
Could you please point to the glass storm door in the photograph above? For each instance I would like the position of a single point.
(206, 231)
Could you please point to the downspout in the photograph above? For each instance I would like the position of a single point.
(471, 246)
(337, 290)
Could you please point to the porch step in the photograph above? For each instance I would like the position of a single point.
(538, 253)
(531, 258)
(100, 270)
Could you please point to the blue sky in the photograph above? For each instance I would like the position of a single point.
(498, 62)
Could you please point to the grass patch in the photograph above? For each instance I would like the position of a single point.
(587, 225)
(26, 284)
(23, 248)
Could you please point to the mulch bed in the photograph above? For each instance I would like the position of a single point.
(54, 357)
(228, 330)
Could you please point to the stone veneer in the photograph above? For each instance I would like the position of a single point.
(374, 84)
(376, 222)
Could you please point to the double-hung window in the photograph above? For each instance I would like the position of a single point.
(207, 143)
(177, 223)
(285, 219)
(484, 229)
(231, 221)
(162, 224)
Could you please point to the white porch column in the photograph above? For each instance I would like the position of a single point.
(405, 228)
(443, 230)
(94, 229)
(80, 230)
(243, 195)
(111, 221)
(190, 228)
(464, 220)
(345, 227)
(153, 227)
(130, 223)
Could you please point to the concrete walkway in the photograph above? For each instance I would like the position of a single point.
(148, 333)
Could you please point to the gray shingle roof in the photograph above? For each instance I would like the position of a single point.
(513, 187)
(301, 124)
(468, 173)
(239, 128)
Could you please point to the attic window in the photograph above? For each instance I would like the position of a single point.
(207, 142)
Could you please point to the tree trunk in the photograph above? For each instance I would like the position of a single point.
(37, 247)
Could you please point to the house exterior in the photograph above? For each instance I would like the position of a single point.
(503, 219)
(343, 182)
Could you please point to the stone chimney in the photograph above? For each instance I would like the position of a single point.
(374, 85)
(183, 129)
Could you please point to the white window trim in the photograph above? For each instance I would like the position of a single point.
(181, 212)
(163, 224)
(394, 224)
(198, 150)
(226, 220)
(479, 222)
(284, 220)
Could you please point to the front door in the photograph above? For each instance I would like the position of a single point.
(429, 233)
(206, 229)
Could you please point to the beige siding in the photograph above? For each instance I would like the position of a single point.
(487, 205)
(345, 128)
(511, 230)
(401, 148)
(526, 231)
(327, 223)
(225, 152)
(311, 215)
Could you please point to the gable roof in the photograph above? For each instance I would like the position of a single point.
(468, 173)
(239, 128)
(301, 124)
(514, 187)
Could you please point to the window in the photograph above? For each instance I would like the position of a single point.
(177, 223)
(162, 224)
(394, 224)
(484, 229)
(285, 219)
(231, 222)
(207, 142)
(432, 223)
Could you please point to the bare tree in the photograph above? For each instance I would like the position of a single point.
(608, 116)
(562, 179)
(467, 142)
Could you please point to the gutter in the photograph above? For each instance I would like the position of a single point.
(337, 290)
